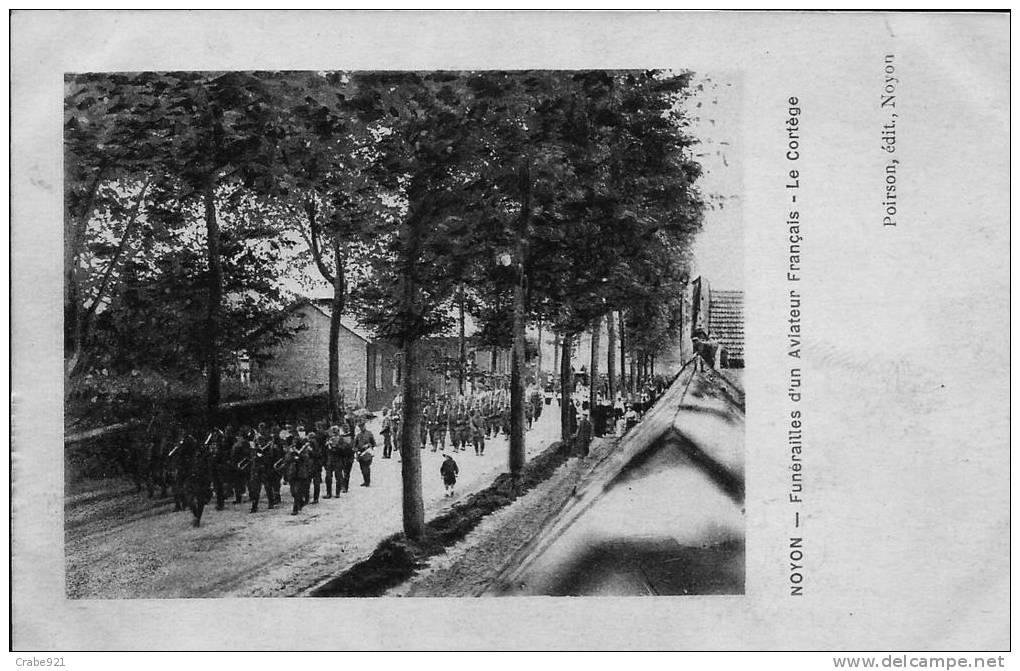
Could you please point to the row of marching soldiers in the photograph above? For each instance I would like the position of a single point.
(467, 421)
(258, 460)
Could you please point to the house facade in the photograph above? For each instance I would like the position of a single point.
(300, 365)
(371, 371)
(439, 355)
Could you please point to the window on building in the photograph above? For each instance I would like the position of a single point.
(378, 370)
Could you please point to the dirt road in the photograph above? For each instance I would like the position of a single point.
(120, 545)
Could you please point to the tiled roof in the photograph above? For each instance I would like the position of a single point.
(726, 321)
(324, 305)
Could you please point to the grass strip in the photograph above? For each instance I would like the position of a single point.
(397, 558)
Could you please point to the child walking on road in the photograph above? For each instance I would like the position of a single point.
(449, 471)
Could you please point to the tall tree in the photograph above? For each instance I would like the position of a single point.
(421, 140)
(593, 387)
(217, 129)
(328, 153)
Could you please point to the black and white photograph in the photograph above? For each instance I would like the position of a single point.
(443, 333)
(519, 330)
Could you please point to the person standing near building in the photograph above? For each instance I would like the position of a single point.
(583, 435)
(398, 427)
(449, 470)
(387, 433)
(364, 449)
(630, 418)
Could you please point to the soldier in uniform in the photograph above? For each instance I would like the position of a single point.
(423, 426)
(455, 426)
(299, 471)
(275, 445)
(222, 469)
(487, 412)
(364, 448)
(317, 460)
(444, 423)
(239, 457)
(177, 470)
(332, 451)
(350, 420)
(198, 462)
(536, 402)
(153, 466)
(504, 418)
(464, 427)
(478, 426)
(258, 464)
(432, 417)
(345, 462)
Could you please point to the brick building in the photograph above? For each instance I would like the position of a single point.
(440, 356)
(371, 370)
(300, 365)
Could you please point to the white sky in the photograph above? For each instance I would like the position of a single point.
(719, 249)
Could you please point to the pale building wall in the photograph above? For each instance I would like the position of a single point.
(301, 364)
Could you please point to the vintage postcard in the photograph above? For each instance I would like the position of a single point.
(528, 330)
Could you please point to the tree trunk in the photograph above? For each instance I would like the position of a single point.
(462, 353)
(633, 372)
(556, 353)
(410, 455)
(336, 313)
(517, 448)
(593, 382)
(611, 356)
(215, 290)
(337, 310)
(538, 367)
(623, 355)
(566, 382)
(75, 228)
